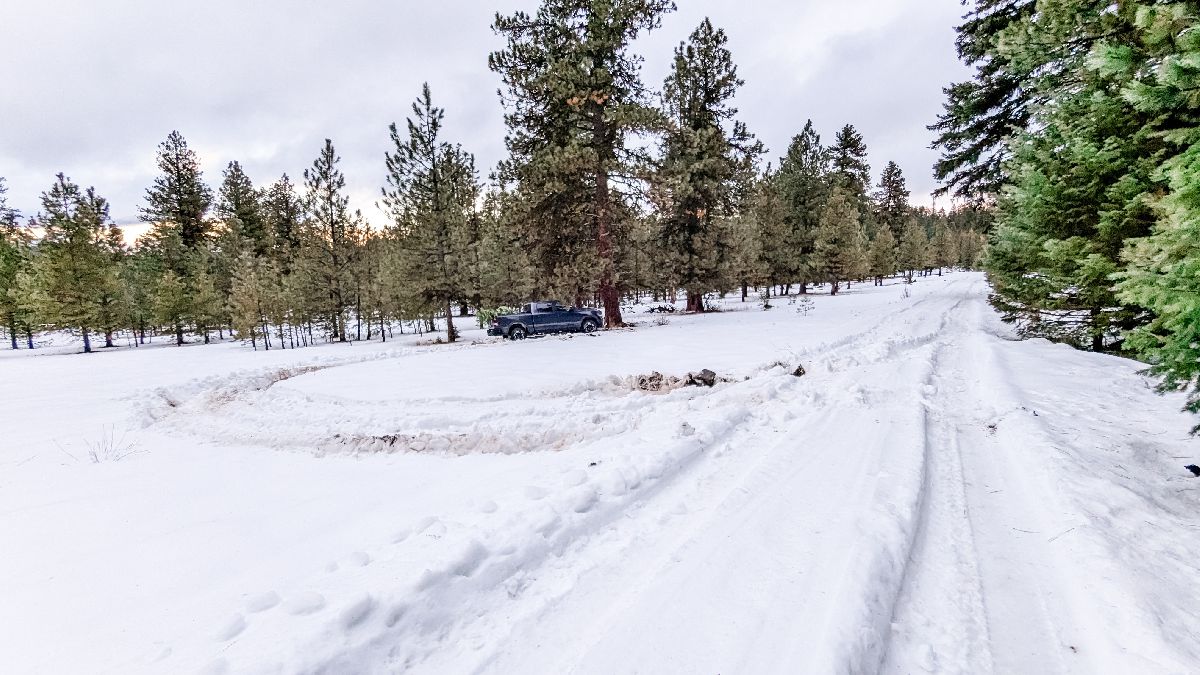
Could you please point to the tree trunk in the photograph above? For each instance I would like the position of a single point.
(463, 310)
(695, 301)
(745, 291)
(29, 335)
(178, 334)
(833, 287)
(12, 331)
(451, 334)
(87, 343)
(108, 343)
(608, 284)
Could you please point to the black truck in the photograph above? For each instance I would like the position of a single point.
(545, 317)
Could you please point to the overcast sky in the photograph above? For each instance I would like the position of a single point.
(90, 88)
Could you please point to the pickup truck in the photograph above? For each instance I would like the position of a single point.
(545, 317)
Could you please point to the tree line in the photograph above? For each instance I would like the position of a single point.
(1081, 126)
(610, 191)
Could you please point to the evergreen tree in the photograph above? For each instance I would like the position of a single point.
(840, 247)
(848, 162)
(179, 199)
(1075, 158)
(803, 184)
(206, 300)
(1163, 272)
(776, 242)
(139, 276)
(172, 306)
(240, 209)
(283, 213)
(248, 301)
(746, 257)
(913, 253)
(73, 274)
(981, 115)
(16, 254)
(330, 238)
(506, 272)
(891, 200)
(706, 169)
(883, 255)
(430, 195)
(573, 98)
(111, 293)
(943, 248)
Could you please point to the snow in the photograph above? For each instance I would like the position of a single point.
(932, 496)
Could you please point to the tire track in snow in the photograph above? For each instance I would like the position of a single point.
(864, 577)
(988, 589)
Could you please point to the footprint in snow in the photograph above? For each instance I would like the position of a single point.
(306, 602)
(359, 559)
(400, 535)
(232, 629)
(488, 507)
(584, 501)
(575, 477)
(357, 612)
(262, 602)
(534, 493)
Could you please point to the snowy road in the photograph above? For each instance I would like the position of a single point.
(929, 497)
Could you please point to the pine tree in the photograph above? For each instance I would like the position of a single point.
(248, 302)
(913, 253)
(179, 199)
(848, 162)
(981, 115)
(803, 182)
(506, 272)
(706, 170)
(111, 294)
(329, 240)
(1163, 273)
(139, 276)
(943, 247)
(777, 246)
(747, 267)
(171, 303)
(883, 255)
(206, 300)
(72, 273)
(891, 200)
(240, 209)
(283, 214)
(839, 251)
(431, 197)
(574, 96)
(16, 254)
(1048, 123)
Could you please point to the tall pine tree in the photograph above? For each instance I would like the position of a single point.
(430, 193)
(331, 234)
(707, 166)
(803, 183)
(574, 96)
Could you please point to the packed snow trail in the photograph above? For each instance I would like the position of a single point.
(929, 497)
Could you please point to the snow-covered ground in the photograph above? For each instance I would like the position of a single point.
(930, 497)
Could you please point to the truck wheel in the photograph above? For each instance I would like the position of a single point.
(517, 333)
(590, 325)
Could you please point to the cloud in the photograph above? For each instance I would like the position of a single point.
(90, 88)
